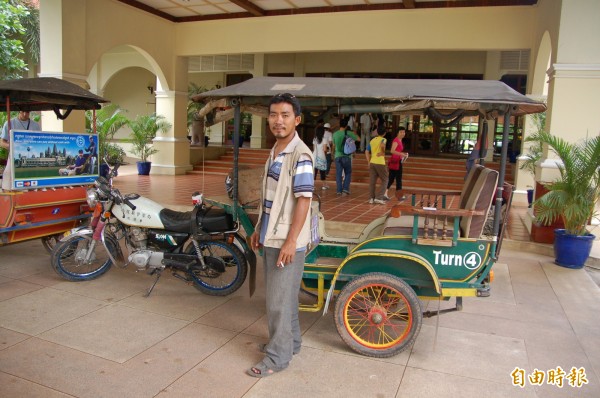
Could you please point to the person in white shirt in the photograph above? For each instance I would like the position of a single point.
(22, 122)
(328, 139)
(365, 130)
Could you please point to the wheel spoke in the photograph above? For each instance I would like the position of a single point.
(391, 314)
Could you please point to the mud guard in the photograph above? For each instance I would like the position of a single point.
(399, 254)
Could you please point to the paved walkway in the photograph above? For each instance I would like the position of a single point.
(103, 339)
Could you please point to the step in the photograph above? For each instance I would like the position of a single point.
(419, 172)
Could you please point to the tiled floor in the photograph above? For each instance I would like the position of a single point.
(102, 338)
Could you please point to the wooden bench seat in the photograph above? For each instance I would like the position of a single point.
(430, 218)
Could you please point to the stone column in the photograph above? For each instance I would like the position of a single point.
(258, 138)
(173, 156)
(57, 54)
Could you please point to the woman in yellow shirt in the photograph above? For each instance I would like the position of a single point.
(375, 154)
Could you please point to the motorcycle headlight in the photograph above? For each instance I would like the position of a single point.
(92, 197)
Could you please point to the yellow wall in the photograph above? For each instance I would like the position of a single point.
(99, 35)
(478, 28)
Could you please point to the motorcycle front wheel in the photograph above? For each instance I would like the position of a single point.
(80, 258)
(224, 269)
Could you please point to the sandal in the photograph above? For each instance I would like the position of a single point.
(263, 348)
(261, 370)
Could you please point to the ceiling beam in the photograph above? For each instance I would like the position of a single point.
(250, 7)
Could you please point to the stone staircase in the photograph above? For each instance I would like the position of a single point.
(418, 172)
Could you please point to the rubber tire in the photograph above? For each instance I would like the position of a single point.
(242, 271)
(359, 344)
(62, 246)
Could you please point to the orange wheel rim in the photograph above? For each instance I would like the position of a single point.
(378, 316)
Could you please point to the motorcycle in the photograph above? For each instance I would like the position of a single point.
(201, 246)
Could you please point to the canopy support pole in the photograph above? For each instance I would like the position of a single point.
(502, 172)
(237, 118)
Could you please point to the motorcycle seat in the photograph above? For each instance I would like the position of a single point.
(208, 220)
(176, 221)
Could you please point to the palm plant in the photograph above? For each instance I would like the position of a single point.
(194, 121)
(534, 152)
(574, 195)
(193, 107)
(143, 131)
(109, 120)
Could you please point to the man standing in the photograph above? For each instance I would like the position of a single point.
(343, 162)
(283, 230)
(22, 122)
(375, 155)
(365, 130)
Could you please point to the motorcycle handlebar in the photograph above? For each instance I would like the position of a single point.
(120, 199)
(128, 203)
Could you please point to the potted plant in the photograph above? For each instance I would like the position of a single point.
(530, 159)
(572, 197)
(534, 152)
(194, 121)
(109, 120)
(143, 131)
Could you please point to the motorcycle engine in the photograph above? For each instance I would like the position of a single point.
(141, 257)
(138, 237)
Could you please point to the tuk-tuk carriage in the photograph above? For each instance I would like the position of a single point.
(44, 203)
(434, 245)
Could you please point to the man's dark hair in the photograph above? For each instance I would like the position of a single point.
(289, 99)
(401, 128)
(344, 122)
(81, 151)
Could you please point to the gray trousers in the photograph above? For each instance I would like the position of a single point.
(377, 171)
(282, 288)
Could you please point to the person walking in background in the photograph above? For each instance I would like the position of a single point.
(320, 148)
(365, 130)
(22, 122)
(283, 230)
(343, 161)
(375, 155)
(328, 138)
(395, 163)
(351, 120)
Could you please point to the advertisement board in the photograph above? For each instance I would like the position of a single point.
(51, 159)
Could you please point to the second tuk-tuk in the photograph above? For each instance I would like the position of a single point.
(435, 245)
(44, 204)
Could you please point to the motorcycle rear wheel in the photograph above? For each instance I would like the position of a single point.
(211, 281)
(68, 258)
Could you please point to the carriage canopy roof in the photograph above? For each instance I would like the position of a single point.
(382, 95)
(45, 94)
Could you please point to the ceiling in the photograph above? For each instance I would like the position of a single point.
(203, 10)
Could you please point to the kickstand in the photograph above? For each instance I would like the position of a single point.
(158, 273)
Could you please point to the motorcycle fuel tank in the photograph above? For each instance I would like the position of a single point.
(145, 215)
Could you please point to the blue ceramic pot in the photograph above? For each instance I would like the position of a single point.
(571, 251)
(144, 168)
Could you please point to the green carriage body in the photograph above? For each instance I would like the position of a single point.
(432, 271)
(378, 275)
